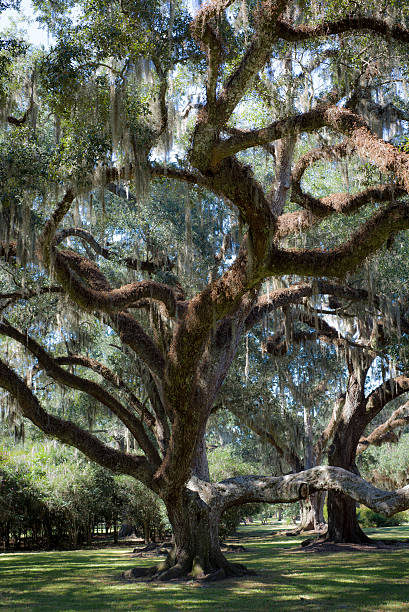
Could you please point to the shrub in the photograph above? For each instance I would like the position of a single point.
(369, 518)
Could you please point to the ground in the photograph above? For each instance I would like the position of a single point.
(288, 579)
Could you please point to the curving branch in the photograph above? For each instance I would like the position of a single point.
(70, 433)
(349, 255)
(114, 379)
(345, 203)
(290, 488)
(129, 262)
(386, 431)
(294, 294)
(347, 24)
(63, 377)
(383, 394)
(83, 281)
(282, 128)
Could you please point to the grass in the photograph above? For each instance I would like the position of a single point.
(287, 580)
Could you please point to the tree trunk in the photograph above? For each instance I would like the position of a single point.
(196, 551)
(318, 501)
(343, 524)
(307, 516)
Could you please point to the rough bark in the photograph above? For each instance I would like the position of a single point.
(196, 551)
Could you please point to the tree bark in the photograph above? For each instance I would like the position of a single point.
(343, 524)
(312, 515)
(196, 549)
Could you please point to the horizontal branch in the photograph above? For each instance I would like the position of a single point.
(289, 126)
(357, 23)
(349, 255)
(294, 294)
(130, 262)
(285, 489)
(25, 294)
(78, 276)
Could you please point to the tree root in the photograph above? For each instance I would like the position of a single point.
(180, 572)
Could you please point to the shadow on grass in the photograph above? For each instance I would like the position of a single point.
(87, 580)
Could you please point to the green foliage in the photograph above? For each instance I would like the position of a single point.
(223, 464)
(369, 518)
(142, 509)
(387, 466)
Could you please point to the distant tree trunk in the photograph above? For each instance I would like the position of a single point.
(146, 532)
(307, 516)
(312, 513)
(318, 501)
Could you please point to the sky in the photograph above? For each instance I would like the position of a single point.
(26, 20)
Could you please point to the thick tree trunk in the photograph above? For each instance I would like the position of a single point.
(196, 550)
(343, 524)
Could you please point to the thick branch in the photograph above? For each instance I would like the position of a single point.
(75, 272)
(347, 24)
(386, 431)
(345, 203)
(383, 394)
(71, 434)
(293, 125)
(87, 386)
(252, 62)
(293, 487)
(348, 256)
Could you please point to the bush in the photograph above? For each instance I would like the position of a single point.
(369, 518)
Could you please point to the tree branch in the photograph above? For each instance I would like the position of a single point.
(71, 434)
(345, 203)
(349, 255)
(385, 432)
(114, 379)
(290, 488)
(347, 24)
(87, 386)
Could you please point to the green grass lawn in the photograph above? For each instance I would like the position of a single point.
(287, 580)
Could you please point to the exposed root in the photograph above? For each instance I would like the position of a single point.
(180, 572)
(324, 546)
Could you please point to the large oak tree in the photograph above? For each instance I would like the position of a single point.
(107, 80)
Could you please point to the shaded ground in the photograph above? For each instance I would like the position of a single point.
(287, 580)
(319, 546)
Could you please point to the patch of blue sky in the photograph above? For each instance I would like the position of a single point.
(24, 20)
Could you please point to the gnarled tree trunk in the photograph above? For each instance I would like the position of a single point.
(343, 524)
(196, 547)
